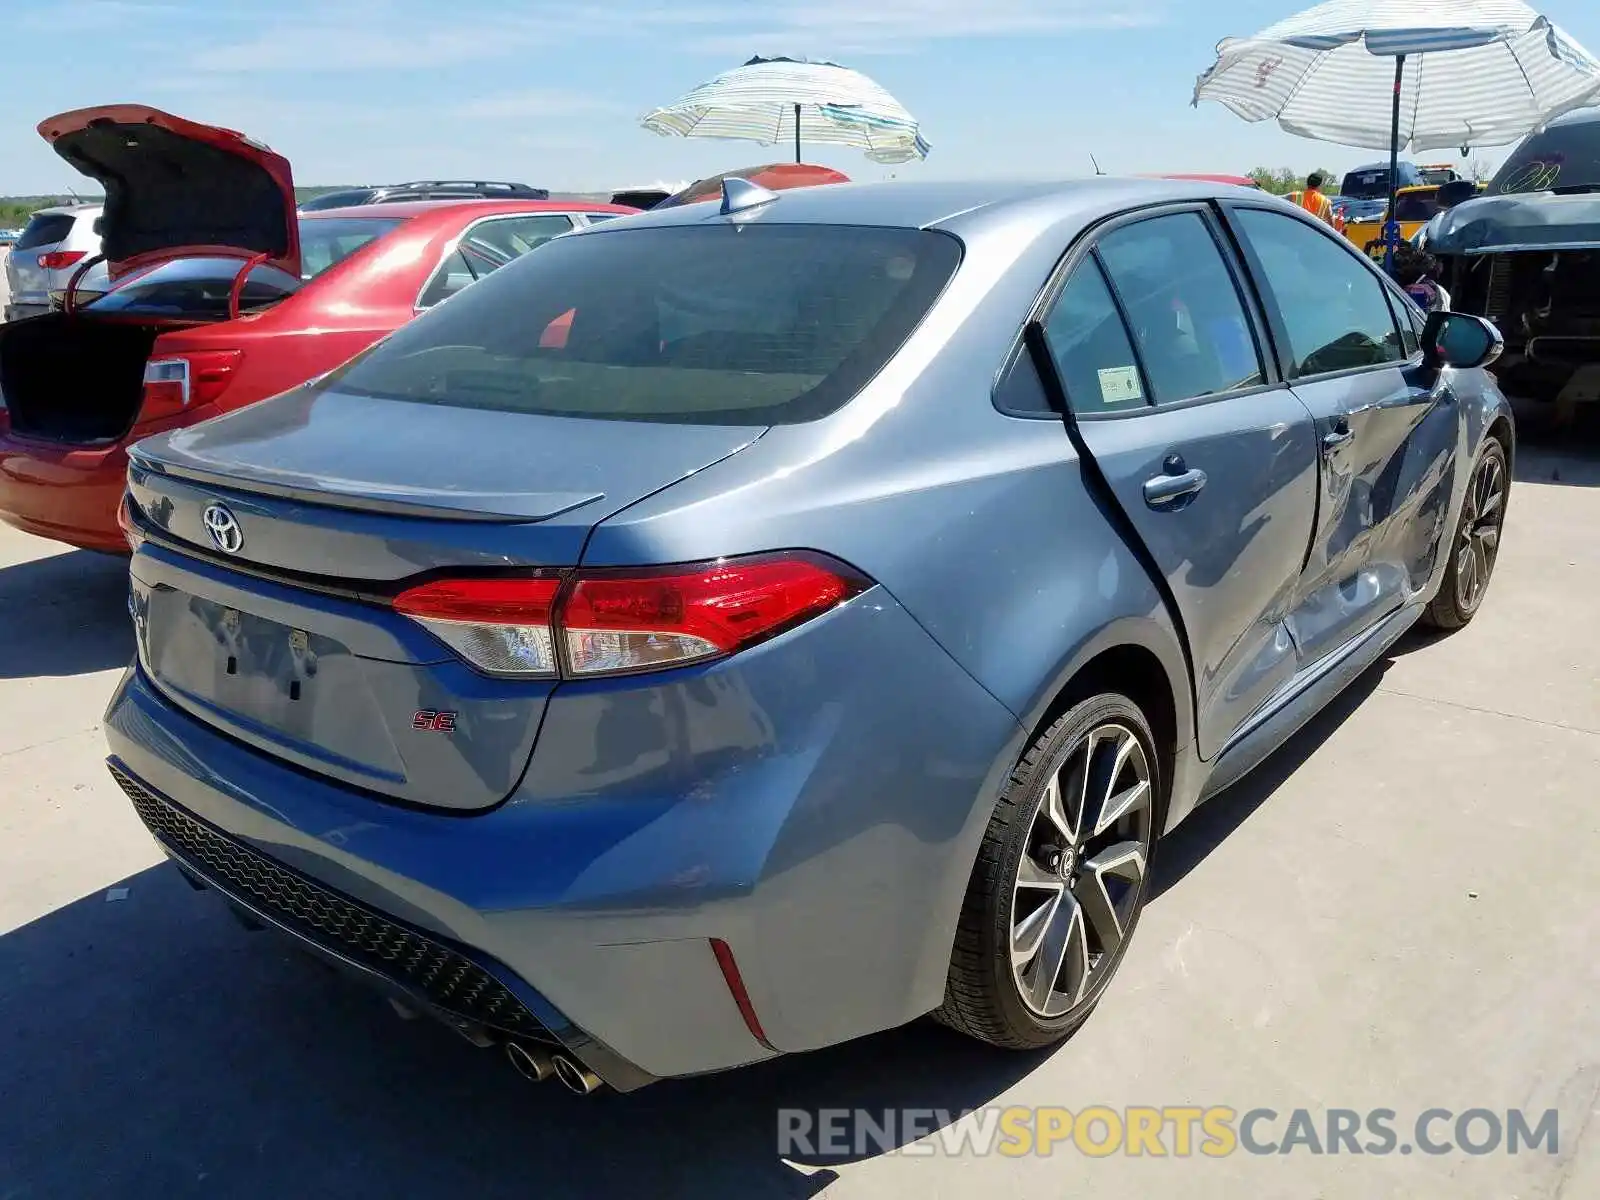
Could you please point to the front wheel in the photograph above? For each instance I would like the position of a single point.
(1060, 880)
(1476, 545)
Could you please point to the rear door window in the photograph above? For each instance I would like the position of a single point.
(1181, 302)
(45, 229)
(1093, 354)
(753, 324)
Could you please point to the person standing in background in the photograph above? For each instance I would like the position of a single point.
(1312, 200)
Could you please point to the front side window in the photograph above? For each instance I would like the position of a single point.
(1091, 349)
(696, 324)
(1332, 303)
(1190, 326)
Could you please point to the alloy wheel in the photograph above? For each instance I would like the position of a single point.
(1081, 877)
(1479, 541)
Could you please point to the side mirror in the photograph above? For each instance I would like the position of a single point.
(1460, 340)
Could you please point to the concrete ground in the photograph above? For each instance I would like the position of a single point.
(1400, 910)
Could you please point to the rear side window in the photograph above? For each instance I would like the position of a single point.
(710, 324)
(1099, 371)
(1332, 304)
(1193, 336)
(45, 229)
(454, 274)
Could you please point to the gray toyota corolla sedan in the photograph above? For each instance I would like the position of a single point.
(729, 631)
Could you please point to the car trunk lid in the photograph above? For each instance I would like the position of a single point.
(175, 186)
(284, 636)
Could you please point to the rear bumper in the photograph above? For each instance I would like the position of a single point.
(66, 493)
(822, 826)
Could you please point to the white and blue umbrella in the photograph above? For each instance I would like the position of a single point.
(775, 100)
(1422, 74)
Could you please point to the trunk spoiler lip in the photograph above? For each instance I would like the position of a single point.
(377, 593)
(502, 508)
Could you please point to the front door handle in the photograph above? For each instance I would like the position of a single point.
(1338, 434)
(1163, 490)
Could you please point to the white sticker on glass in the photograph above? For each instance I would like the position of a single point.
(1120, 385)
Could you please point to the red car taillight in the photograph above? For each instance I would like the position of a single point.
(60, 260)
(615, 622)
(125, 522)
(500, 626)
(180, 381)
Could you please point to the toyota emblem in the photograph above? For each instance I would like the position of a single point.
(223, 528)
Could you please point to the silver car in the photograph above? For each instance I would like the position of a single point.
(55, 244)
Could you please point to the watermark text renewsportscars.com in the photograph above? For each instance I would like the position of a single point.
(1176, 1131)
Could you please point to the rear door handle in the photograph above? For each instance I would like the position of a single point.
(1338, 435)
(1162, 490)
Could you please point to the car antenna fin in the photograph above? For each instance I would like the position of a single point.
(740, 195)
(1096, 163)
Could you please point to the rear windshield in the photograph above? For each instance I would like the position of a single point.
(326, 241)
(337, 200)
(45, 229)
(1372, 183)
(1563, 157)
(1416, 206)
(197, 288)
(704, 324)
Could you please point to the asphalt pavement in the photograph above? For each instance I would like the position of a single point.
(1400, 910)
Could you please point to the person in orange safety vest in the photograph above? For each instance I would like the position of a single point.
(1314, 202)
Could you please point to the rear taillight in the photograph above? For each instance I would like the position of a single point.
(500, 626)
(126, 523)
(60, 260)
(181, 381)
(616, 622)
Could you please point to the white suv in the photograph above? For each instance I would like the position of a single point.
(43, 260)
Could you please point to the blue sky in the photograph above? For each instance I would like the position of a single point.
(550, 92)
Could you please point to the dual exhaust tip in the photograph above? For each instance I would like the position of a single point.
(537, 1065)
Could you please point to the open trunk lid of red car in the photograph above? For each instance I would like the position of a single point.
(176, 187)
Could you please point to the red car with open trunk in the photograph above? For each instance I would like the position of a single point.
(221, 296)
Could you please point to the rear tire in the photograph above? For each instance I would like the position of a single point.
(1061, 878)
(1475, 545)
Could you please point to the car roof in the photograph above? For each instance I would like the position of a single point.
(65, 210)
(1578, 116)
(922, 205)
(406, 209)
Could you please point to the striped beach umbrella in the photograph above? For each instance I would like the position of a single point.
(1422, 74)
(776, 100)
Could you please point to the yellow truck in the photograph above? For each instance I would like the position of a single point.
(1414, 207)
